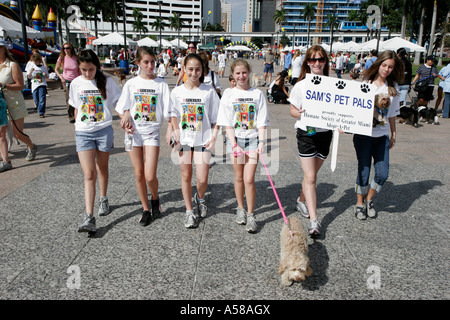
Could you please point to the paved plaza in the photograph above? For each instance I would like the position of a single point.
(402, 254)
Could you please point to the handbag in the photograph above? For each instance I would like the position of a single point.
(421, 86)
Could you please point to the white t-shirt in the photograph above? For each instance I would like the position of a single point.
(222, 59)
(245, 111)
(296, 99)
(38, 75)
(148, 103)
(208, 80)
(383, 129)
(161, 72)
(196, 111)
(94, 112)
(297, 66)
(339, 63)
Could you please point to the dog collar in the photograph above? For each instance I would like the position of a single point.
(421, 108)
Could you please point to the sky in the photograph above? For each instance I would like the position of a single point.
(238, 9)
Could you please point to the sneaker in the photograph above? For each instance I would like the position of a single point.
(251, 223)
(191, 219)
(88, 224)
(4, 166)
(360, 212)
(146, 218)
(31, 153)
(241, 216)
(302, 208)
(103, 208)
(201, 206)
(314, 228)
(156, 208)
(371, 213)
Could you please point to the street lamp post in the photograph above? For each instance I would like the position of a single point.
(160, 4)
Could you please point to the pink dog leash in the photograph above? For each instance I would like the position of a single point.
(239, 153)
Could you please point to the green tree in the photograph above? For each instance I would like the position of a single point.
(308, 13)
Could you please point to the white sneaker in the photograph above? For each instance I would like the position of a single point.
(251, 223)
(241, 216)
(302, 208)
(190, 219)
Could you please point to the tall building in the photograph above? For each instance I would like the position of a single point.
(294, 18)
(190, 12)
(226, 16)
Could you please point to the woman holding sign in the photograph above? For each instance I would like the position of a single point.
(384, 73)
(313, 144)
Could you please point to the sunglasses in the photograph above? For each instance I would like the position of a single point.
(314, 60)
(67, 48)
(191, 47)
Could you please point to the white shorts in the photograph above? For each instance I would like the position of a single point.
(149, 139)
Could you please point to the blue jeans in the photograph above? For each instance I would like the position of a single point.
(367, 148)
(446, 109)
(338, 73)
(403, 93)
(40, 99)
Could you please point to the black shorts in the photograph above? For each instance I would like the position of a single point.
(427, 95)
(317, 145)
(185, 147)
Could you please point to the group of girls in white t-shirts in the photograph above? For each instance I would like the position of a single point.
(194, 113)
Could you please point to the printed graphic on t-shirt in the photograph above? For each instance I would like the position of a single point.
(145, 105)
(244, 114)
(92, 106)
(37, 77)
(192, 115)
(382, 103)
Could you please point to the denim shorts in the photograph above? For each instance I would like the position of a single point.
(149, 139)
(268, 68)
(244, 144)
(102, 140)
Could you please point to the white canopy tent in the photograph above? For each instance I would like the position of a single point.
(180, 44)
(112, 39)
(371, 45)
(238, 48)
(165, 43)
(13, 29)
(148, 42)
(397, 43)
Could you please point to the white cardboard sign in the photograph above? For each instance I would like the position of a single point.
(333, 103)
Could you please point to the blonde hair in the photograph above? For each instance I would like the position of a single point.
(241, 62)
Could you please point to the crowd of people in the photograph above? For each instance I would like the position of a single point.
(195, 110)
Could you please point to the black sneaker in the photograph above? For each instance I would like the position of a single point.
(146, 218)
(156, 208)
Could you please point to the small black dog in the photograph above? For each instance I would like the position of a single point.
(427, 114)
(409, 114)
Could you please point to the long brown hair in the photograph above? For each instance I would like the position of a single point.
(396, 76)
(89, 56)
(62, 53)
(310, 53)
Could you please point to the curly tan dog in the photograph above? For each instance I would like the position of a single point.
(294, 261)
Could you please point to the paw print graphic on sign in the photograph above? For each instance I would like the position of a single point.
(316, 80)
(365, 88)
(340, 84)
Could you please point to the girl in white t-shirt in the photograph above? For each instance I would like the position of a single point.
(385, 73)
(142, 107)
(243, 112)
(93, 95)
(313, 144)
(38, 73)
(194, 107)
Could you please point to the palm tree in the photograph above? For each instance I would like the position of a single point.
(333, 23)
(176, 23)
(138, 25)
(308, 13)
(280, 17)
(158, 23)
